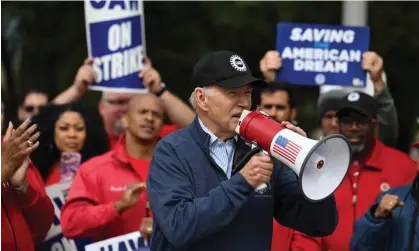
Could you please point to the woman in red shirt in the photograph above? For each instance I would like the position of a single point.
(67, 128)
(26, 211)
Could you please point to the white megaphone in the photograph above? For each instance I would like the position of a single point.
(320, 165)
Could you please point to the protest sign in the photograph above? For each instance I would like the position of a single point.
(317, 54)
(128, 242)
(55, 240)
(116, 41)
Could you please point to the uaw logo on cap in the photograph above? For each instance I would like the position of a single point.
(353, 97)
(238, 63)
(384, 186)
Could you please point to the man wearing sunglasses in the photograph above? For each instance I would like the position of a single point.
(375, 168)
(31, 104)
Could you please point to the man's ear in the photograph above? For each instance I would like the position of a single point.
(201, 99)
(101, 107)
(125, 121)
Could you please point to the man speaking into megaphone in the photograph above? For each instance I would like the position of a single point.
(207, 189)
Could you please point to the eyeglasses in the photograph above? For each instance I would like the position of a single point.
(361, 122)
(31, 108)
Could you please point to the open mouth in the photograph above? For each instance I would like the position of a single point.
(148, 129)
(354, 139)
(72, 145)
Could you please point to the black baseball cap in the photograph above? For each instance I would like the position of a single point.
(329, 101)
(360, 102)
(223, 68)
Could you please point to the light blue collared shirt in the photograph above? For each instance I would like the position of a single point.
(222, 152)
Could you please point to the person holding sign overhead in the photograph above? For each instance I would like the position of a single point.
(327, 105)
(26, 211)
(108, 196)
(113, 105)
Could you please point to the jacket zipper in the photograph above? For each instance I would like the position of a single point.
(214, 163)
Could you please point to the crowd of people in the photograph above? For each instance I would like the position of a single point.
(185, 186)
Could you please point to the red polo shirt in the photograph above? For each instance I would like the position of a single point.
(99, 182)
(381, 170)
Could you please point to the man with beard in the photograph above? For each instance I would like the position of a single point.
(328, 102)
(278, 100)
(107, 197)
(375, 168)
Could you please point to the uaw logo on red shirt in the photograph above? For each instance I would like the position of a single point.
(384, 187)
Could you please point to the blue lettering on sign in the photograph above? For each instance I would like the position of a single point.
(133, 4)
(132, 243)
(100, 4)
(112, 4)
(126, 245)
(59, 204)
(61, 243)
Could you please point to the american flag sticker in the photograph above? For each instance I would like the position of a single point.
(286, 149)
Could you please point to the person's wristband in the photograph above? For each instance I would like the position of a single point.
(163, 89)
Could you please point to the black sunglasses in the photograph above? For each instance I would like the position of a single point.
(31, 108)
(360, 121)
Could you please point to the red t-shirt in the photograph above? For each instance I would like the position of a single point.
(89, 210)
(140, 166)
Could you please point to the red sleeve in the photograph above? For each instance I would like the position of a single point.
(302, 242)
(166, 129)
(281, 237)
(36, 206)
(82, 216)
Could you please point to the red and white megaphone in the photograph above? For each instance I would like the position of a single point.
(320, 165)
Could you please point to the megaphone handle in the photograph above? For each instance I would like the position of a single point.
(261, 186)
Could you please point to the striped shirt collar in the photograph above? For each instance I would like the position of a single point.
(214, 138)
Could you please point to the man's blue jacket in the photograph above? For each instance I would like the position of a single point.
(394, 233)
(196, 207)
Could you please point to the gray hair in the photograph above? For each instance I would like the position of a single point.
(192, 98)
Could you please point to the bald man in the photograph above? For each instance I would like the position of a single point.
(108, 197)
(113, 105)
